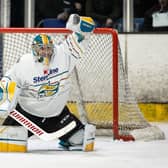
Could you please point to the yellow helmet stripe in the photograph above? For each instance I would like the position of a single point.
(44, 39)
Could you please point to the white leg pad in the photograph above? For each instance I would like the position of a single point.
(77, 138)
(13, 139)
(89, 138)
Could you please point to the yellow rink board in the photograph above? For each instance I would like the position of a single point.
(155, 112)
(152, 112)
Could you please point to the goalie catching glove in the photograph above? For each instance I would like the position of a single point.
(80, 24)
(82, 27)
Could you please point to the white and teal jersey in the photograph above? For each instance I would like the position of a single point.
(45, 95)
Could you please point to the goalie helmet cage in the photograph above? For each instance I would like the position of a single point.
(100, 91)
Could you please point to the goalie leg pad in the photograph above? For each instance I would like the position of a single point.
(77, 138)
(74, 143)
(13, 139)
(82, 140)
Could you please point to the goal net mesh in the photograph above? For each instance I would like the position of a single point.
(91, 97)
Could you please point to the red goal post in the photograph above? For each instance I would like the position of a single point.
(100, 91)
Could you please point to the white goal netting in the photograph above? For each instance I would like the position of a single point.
(94, 88)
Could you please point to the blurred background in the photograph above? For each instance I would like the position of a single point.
(143, 33)
(124, 15)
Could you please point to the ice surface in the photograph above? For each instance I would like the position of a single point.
(107, 154)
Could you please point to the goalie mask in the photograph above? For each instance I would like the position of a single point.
(42, 48)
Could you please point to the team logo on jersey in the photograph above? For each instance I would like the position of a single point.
(48, 90)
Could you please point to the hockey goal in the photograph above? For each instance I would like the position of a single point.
(100, 91)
